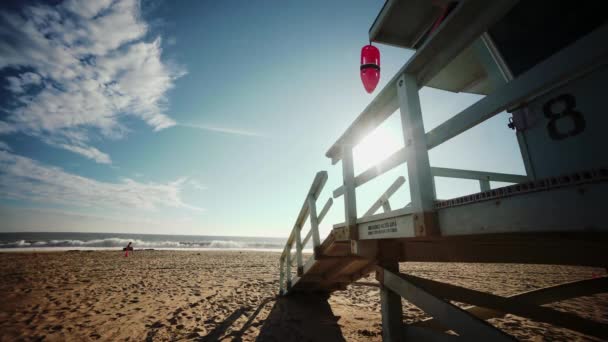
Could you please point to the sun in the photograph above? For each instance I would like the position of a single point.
(377, 146)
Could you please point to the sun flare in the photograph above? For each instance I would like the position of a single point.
(376, 147)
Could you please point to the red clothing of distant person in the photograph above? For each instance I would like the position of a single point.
(127, 249)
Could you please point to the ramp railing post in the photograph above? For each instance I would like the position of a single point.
(390, 303)
(418, 166)
(350, 196)
(314, 225)
(281, 275)
(484, 185)
(288, 269)
(298, 232)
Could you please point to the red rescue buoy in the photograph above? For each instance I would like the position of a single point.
(370, 67)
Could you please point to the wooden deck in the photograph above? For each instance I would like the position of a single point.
(340, 261)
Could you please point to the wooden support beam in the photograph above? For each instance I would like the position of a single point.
(583, 249)
(484, 185)
(299, 251)
(307, 237)
(478, 175)
(288, 270)
(390, 307)
(465, 324)
(418, 165)
(325, 209)
(385, 197)
(542, 296)
(510, 305)
(350, 197)
(314, 223)
(365, 283)
(281, 275)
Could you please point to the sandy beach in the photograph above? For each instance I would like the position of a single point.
(231, 295)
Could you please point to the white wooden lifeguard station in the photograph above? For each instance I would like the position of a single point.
(546, 63)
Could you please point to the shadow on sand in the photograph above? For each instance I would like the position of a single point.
(301, 317)
(221, 329)
(298, 317)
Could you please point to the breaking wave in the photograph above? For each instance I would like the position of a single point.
(116, 242)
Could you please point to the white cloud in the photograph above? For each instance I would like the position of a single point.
(196, 184)
(89, 152)
(225, 130)
(22, 178)
(92, 67)
(4, 146)
(18, 84)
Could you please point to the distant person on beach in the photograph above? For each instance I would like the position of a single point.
(127, 249)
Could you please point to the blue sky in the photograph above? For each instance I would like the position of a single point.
(199, 117)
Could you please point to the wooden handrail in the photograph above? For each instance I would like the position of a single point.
(399, 158)
(478, 175)
(295, 237)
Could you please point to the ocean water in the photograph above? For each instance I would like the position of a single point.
(69, 241)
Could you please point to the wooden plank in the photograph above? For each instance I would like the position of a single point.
(456, 34)
(570, 208)
(583, 248)
(281, 275)
(342, 264)
(574, 61)
(478, 175)
(314, 221)
(306, 238)
(391, 309)
(395, 213)
(288, 271)
(418, 165)
(350, 196)
(299, 261)
(452, 37)
(310, 264)
(385, 196)
(325, 209)
(465, 324)
(399, 157)
(365, 283)
(392, 227)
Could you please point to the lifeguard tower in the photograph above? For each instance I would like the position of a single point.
(546, 63)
